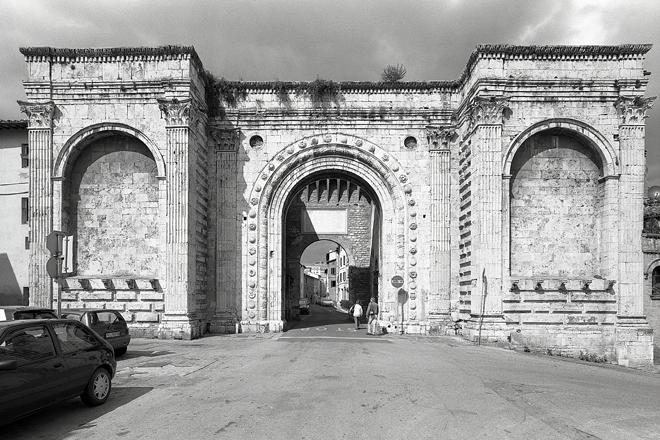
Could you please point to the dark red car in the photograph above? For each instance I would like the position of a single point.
(45, 361)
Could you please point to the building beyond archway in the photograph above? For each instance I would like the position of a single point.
(341, 208)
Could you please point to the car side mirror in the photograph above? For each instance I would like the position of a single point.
(10, 364)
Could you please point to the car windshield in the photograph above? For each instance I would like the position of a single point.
(108, 317)
(34, 314)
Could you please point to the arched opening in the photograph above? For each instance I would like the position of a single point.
(341, 210)
(556, 207)
(110, 204)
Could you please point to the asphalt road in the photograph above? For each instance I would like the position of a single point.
(324, 380)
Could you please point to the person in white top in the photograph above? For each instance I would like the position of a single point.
(356, 310)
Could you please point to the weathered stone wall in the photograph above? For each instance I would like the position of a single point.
(111, 208)
(458, 144)
(555, 209)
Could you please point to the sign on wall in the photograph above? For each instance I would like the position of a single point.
(324, 221)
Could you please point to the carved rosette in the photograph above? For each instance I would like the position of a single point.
(176, 112)
(487, 110)
(439, 138)
(40, 114)
(632, 109)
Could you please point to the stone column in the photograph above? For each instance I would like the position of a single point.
(439, 297)
(40, 141)
(486, 115)
(634, 337)
(178, 252)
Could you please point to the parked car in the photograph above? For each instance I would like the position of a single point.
(304, 304)
(11, 313)
(45, 361)
(327, 302)
(107, 323)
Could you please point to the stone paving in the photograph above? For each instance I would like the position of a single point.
(321, 380)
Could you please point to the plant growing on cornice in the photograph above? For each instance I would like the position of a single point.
(320, 91)
(231, 92)
(393, 73)
(221, 91)
(211, 93)
(282, 92)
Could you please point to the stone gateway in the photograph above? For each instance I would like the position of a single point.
(509, 201)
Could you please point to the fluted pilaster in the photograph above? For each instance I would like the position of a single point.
(40, 141)
(439, 144)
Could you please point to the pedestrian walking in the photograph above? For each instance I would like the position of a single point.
(356, 311)
(372, 316)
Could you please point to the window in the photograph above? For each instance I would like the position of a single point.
(74, 338)
(25, 154)
(25, 210)
(27, 242)
(333, 284)
(28, 344)
(26, 295)
(332, 271)
(655, 283)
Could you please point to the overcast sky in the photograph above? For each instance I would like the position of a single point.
(334, 39)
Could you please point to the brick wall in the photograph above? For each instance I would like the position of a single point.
(112, 209)
(556, 204)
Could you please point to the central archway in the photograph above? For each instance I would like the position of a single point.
(338, 208)
(337, 154)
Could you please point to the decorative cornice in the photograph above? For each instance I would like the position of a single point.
(13, 124)
(487, 110)
(484, 51)
(176, 112)
(439, 138)
(632, 109)
(112, 54)
(40, 114)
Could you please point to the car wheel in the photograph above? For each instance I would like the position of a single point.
(98, 388)
(120, 351)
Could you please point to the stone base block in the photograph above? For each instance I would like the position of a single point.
(441, 325)
(180, 327)
(490, 329)
(634, 342)
(275, 326)
(594, 343)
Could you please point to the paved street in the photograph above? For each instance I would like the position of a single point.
(323, 380)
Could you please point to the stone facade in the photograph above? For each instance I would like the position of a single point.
(509, 200)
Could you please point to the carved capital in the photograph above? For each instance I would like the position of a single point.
(224, 139)
(488, 110)
(632, 109)
(40, 114)
(439, 138)
(175, 112)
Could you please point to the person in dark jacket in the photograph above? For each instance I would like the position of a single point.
(372, 316)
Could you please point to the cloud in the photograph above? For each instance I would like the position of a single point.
(334, 39)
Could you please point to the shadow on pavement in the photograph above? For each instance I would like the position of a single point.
(69, 417)
(320, 316)
(130, 354)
